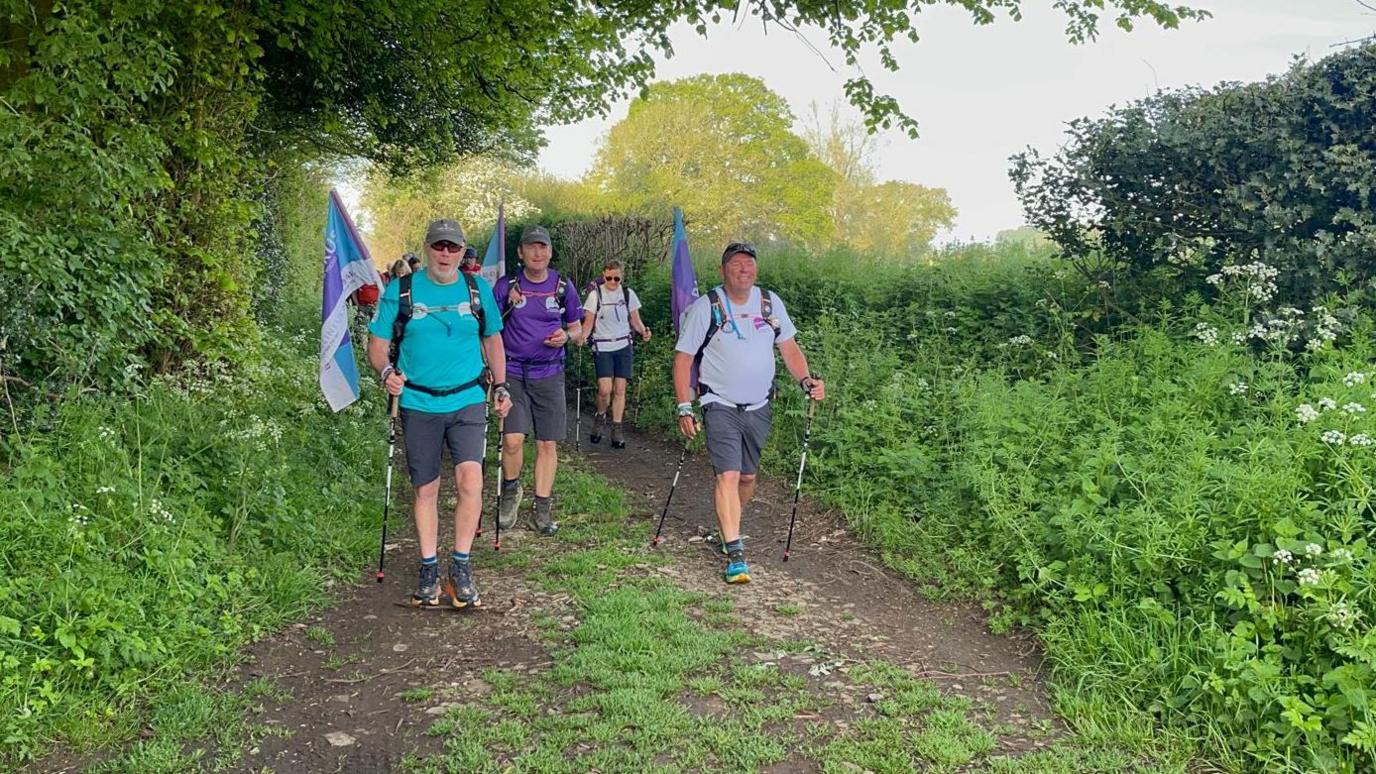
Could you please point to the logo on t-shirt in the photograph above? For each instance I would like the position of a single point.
(552, 304)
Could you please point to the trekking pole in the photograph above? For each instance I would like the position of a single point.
(387, 491)
(578, 401)
(638, 365)
(487, 420)
(798, 487)
(501, 442)
(683, 455)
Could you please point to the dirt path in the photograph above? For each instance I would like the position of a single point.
(366, 685)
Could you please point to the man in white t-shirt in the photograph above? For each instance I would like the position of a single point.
(734, 329)
(610, 313)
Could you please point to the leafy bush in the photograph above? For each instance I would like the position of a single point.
(149, 539)
(1167, 503)
(1185, 183)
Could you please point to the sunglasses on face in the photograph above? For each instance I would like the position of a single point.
(611, 279)
(446, 247)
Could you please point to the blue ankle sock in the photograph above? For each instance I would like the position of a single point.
(430, 559)
(458, 556)
(510, 483)
(735, 545)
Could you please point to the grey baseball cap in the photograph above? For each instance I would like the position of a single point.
(444, 230)
(738, 247)
(535, 234)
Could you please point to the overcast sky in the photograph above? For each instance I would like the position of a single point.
(981, 94)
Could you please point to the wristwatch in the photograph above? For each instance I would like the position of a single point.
(685, 409)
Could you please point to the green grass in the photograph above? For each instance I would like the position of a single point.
(422, 693)
(320, 636)
(148, 537)
(658, 678)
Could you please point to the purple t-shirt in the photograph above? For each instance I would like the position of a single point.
(530, 322)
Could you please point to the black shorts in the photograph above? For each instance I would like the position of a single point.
(613, 364)
(428, 434)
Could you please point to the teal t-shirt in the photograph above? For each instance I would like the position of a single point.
(440, 348)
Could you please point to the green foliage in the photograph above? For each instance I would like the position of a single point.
(148, 538)
(1184, 183)
(137, 139)
(720, 147)
(892, 218)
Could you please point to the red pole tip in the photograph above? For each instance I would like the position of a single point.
(785, 556)
(379, 576)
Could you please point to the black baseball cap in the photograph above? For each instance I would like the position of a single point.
(738, 247)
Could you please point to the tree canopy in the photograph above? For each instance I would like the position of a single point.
(720, 147)
(142, 141)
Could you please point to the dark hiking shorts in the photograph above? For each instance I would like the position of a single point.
(613, 364)
(537, 402)
(428, 434)
(735, 437)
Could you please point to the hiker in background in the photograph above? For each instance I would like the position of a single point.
(471, 263)
(610, 313)
(365, 301)
(542, 315)
(400, 268)
(434, 333)
(731, 332)
(413, 261)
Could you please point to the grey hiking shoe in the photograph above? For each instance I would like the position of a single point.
(599, 428)
(428, 588)
(618, 436)
(458, 584)
(542, 520)
(511, 505)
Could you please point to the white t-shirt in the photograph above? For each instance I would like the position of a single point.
(738, 364)
(611, 322)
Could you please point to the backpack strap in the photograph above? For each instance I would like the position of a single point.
(718, 321)
(560, 288)
(475, 305)
(767, 311)
(404, 311)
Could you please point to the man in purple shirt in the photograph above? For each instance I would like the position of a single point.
(542, 314)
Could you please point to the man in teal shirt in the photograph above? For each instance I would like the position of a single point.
(436, 375)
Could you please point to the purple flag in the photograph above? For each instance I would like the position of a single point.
(685, 280)
(347, 267)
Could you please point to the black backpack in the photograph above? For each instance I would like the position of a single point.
(405, 309)
(720, 319)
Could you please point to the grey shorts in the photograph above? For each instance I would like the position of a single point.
(538, 402)
(735, 437)
(428, 434)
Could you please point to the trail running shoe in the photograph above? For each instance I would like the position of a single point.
(737, 571)
(428, 588)
(458, 584)
(599, 428)
(542, 520)
(618, 436)
(511, 505)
